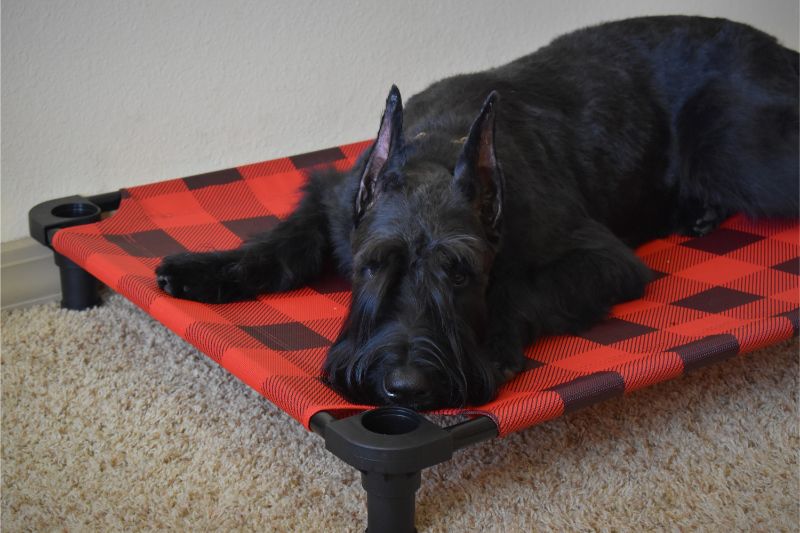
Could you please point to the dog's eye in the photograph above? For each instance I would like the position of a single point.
(369, 270)
(459, 278)
(459, 273)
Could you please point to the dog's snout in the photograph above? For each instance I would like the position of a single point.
(405, 384)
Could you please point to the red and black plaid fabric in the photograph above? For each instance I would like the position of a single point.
(714, 297)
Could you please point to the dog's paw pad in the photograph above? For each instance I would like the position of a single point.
(173, 287)
(164, 283)
(181, 278)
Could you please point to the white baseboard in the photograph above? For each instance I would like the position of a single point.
(29, 275)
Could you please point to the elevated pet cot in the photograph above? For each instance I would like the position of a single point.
(713, 297)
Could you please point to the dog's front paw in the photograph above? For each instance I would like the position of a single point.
(208, 278)
(707, 222)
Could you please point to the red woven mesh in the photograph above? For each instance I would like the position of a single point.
(716, 296)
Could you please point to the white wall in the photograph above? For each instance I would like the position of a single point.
(100, 94)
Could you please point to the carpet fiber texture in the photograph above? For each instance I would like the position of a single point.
(111, 422)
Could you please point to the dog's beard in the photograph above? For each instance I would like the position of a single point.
(449, 365)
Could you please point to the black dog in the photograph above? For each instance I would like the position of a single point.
(467, 238)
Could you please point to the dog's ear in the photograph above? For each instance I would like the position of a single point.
(478, 174)
(390, 138)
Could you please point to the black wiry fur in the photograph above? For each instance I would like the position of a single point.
(462, 250)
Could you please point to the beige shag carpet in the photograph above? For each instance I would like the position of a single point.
(110, 422)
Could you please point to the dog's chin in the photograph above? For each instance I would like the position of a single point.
(420, 403)
(417, 404)
(433, 404)
(455, 400)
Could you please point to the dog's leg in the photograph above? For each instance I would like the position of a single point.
(286, 257)
(737, 142)
(568, 295)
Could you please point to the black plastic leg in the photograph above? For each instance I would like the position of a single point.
(391, 501)
(391, 446)
(79, 289)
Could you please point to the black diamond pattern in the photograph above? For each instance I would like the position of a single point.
(249, 227)
(320, 157)
(219, 177)
(614, 330)
(792, 266)
(286, 337)
(717, 300)
(153, 243)
(708, 350)
(587, 390)
(722, 241)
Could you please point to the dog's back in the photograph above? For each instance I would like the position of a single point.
(652, 124)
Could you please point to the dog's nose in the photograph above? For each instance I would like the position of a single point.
(406, 383)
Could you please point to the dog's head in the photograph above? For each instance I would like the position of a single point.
(424, 239)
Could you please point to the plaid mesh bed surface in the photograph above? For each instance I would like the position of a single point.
(727, 293)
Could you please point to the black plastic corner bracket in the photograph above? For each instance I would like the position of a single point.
(391, 446)
(78, 287)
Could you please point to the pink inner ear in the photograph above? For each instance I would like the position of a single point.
(389, 134)
(382, 144)
(486, 158)
(487, 169)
